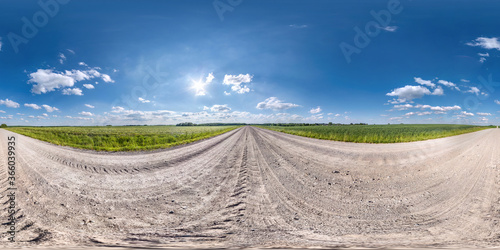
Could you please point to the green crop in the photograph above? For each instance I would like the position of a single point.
(122, 138)
(378, 133)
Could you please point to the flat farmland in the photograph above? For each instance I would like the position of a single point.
(253, 187)
(122, 138)
(378, 133)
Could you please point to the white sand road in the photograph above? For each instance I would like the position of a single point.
(257, 188)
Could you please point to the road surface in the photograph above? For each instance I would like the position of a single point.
(257, 188)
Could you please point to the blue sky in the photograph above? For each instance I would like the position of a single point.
(163, 62)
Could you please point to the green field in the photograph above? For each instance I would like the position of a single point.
(122, 138)
(378, 133)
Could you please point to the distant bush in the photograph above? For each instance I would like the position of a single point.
(3, 125)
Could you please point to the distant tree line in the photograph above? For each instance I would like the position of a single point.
(210, 124)
(310, 124)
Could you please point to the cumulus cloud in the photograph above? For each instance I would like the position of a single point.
(465, 113)
(89, 106)
(49, 108)
(403, 106)
(275, 104)
(474, 90)
(236, 82)
(47, 80)
(220, 108)
(32, 105)
(408, 93)
(144, 100)
(424, 82)
(73, 91)
(315, 110)
(9, 103)
(226, 93)
(438, 91)
(84, 113)
(486, 43)
(88, 86)
(82, 64)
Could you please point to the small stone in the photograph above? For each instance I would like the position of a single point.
(171, 212)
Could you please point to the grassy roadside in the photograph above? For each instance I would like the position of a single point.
(378, 133)
(128, 138)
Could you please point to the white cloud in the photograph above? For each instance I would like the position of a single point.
(483, 114)
(71, 51)
(482, 60)
(89, 106)
(73, 91)
(275, 104)
(45, 114)
(144, 100)
(82, 64)
(9, 103)
(486, 43)
(1, 44)
(337, 115)
(497, 102)
(408, 93)
(32, 105)
(483, 55)
(220, 108)
(424, 82)
(315, 110)
(226, 93)
(236, 82)
(297, 26)
(1, 111)
(403, 106)
(210, 78)
(84, 113)
(62, 58)
(464, 80)
(467, 114)
(106, 78)
(46, 81)
(438, 91)
(206, 108)
(49, 108)
(474, 90)
(410, 113)
(449, 108)
(446, 83)
(390, 28)
(89, 86)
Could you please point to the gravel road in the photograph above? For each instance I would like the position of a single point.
(258, 188)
